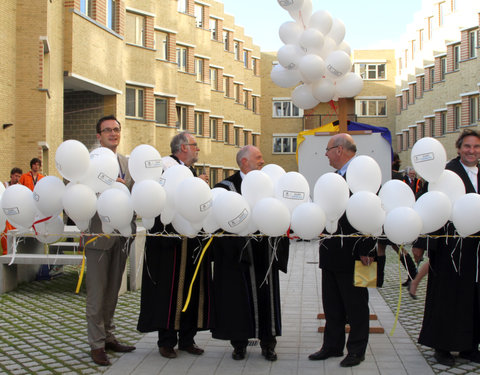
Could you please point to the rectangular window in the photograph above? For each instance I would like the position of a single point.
(236, 92)
(472, 43)
(225, 40)
(414, 48)
(441, 13)
(182, 59)
(226, 135)
(236, 50)
(111, 11)
(422, 130)
(443, 67)
(134, 102)
(421, 36)
(284, 144)
(432, 78)
(213, 128)
(422, 80)
(285, 108)
(213, 24)
(443, 123)
(198, 15)
(254, 66)
(86, 7)
(370, 71)
(371, 107)
(236, 136)
(245, 99)
(456, 57)
(226, 86)
(182, 6)
(430, 27)
(161, 44)
(181, 122)
(245, 138)
(199, 69)
(161, 111)
(457, 117)
(213, 176)
(254, 140)
(473, 115)
(198, 125)
(135, 29)
(245, 59)
(214, 78)
(254, 104)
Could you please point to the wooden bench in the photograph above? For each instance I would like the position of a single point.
(30, 254)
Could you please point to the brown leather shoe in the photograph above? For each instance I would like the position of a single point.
(167, 352)
(100, 357)
(192, 349)
(117, 347)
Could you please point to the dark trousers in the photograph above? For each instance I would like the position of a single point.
(344, 303)
(168, 337)
(265, 343)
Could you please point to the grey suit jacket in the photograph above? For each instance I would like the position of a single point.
(104, 243)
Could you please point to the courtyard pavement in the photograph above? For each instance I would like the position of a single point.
(43, 331)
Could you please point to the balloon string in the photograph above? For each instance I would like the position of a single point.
(399, 293)
(189, 296)
(82, 269)
(290, 237)
(332, 104)
(38, 222)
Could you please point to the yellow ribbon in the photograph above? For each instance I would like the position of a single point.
(187, 302)
(400, 252)
(324, 128)
(82, 269)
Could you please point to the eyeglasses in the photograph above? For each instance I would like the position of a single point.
(111, 130)
(191, 144)
(329, 148)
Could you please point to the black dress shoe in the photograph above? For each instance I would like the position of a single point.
(324, 354)
(119, 348)
(407, 283)
(239, 353)
(444, 357)
(192, 349)
(167, 352)
(471, 355)
(414, 296)
(269, 354)
(100, 357)
(352, 360)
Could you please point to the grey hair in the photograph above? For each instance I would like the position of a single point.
(408, 169)
(346, 144)
(177, 142)
(243, 153)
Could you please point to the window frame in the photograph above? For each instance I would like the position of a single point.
(198, 14)
(182, 117)
(138, 38)
(213, 123)
(360, 107)
(199, 65)
(162, 51)
(198, 123)
(165, 115)
(288, 109)
(473, 110)
(365, 69)
(138, 102)
(182, 58)
(287, 144)
(472, 43)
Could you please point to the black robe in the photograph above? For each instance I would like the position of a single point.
(452, 319)
(246, 282)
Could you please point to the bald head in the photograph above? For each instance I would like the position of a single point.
(340, 149)
(249, 158)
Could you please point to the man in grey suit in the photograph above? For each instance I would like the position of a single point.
(106, 258)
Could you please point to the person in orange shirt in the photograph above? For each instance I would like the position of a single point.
(31, 178)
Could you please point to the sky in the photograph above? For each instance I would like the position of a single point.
(370, 24)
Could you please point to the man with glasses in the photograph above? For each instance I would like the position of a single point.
(106, 258)
(168, 270)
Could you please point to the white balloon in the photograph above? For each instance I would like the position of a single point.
(148, 199)
(428, 158)
(173, 176)
(49, 231)
(345, 47)
(321, 20)
(338, 64)
(363, 173)
(274, 171)
(331, 226)
(337, 32)
(183, 226)
(292, 189)
(329, 46)
(121, 186)
(331, 194)
(290, 32)
(364, 212)
(250, 229)
(145, 163)
(102, 173)
(95, 153)
(289, 56)
(285, 78)
(231, 211)
(48, 193)
(72, 159)
(312, 68)
(349, 86)
(308, 221)
(115, 209)
(271, 216)
(148, 223)
(449, 183)
(402, 225)
(465, 215)
(311, 39)
(209, 224)
(434, 208)
(168, 212)
(80, 204)
(303, 14)
(3, 219)
(302, 97)
(255, 186)
(19, 206)
(193, 199)
(323, 90)
(291, 4)
(2, 189)
(396, 193)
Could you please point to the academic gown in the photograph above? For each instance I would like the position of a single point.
(246, 282)
(451, 319)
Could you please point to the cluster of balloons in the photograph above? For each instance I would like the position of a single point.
(314, 56)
